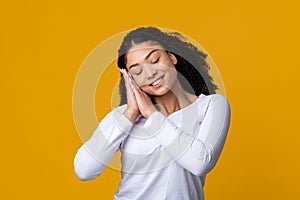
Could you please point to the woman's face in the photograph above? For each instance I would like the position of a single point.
(152, 68)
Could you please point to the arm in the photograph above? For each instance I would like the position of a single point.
(95, 154)
(197, 152)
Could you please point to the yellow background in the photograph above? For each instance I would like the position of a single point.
(254, 44)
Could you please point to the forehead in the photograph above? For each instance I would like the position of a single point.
(139, 51)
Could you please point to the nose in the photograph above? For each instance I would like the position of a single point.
(150, 71)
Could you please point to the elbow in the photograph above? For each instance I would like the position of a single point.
(86, 171)
(85, 167)
(196, 172)
(81, 170)
(204, 166)
(201, 170)
(83, 175)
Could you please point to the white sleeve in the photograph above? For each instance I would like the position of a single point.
(198, 152)
(86, 167)
(95, 154)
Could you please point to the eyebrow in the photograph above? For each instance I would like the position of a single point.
(149, 54)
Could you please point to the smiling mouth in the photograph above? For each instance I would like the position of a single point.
(157, 82)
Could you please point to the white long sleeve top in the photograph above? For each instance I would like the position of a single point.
(162, 157)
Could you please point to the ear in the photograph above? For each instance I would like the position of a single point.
(173, 58)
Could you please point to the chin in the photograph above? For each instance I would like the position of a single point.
(162, 91)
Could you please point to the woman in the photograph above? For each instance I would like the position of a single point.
(170, 126)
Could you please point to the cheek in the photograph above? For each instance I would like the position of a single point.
(172, 69)
(139, 80)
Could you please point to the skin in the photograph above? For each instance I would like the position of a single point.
(147, 62)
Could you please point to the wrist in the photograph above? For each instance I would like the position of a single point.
(131, 115)
(152, 110)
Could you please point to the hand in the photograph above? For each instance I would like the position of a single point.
(144, 103)
(132, 111)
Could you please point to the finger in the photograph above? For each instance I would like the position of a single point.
(133, 83)
(126, 78)
(130, 81)
(133, 86)
(131, 91)
(122, 71)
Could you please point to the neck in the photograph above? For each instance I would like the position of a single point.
(175, 99)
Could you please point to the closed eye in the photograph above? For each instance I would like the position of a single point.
(136, 70)
(156, 61)
(138, 73)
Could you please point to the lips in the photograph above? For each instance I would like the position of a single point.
(157, 83)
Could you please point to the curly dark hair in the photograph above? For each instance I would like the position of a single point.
(192, 68)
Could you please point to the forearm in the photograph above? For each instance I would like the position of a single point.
(86, 167)
(96, 153)
(131, 115)
(197, 152)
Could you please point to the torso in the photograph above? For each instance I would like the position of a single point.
(148, 172)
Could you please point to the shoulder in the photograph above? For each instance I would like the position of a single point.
(213, 103)
(214, 98)
(219, 99)
(116, 118)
